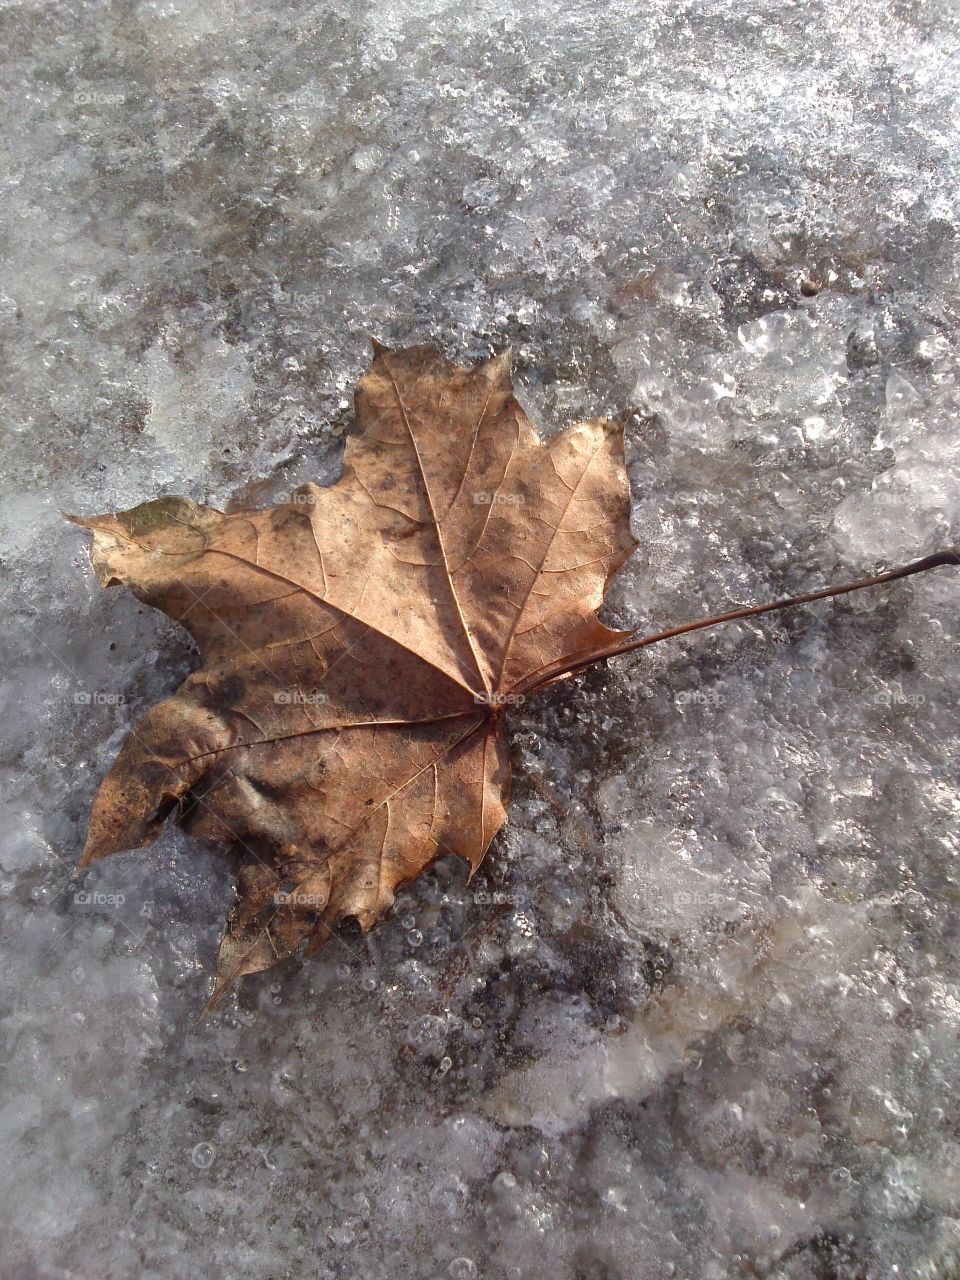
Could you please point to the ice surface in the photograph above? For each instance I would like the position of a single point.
(698, 1016)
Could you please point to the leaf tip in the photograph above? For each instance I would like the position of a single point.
(92, 852)
(220, 988)
(500, 364)
(93, 523)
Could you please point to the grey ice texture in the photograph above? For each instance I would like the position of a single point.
(698, 1016)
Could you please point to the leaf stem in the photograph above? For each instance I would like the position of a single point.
(570, 666)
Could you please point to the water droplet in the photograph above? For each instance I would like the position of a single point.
(415, 938)
(444, 1067)
(462, 1269)
(203, 1155)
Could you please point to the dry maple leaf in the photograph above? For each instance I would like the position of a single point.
(361, 643)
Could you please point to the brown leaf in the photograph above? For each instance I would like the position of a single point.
(360, 644)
